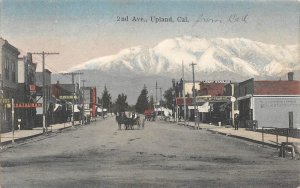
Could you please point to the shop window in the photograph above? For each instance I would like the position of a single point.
(13, 72)
(6, 68)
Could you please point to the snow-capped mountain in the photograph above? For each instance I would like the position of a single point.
(237, 56)
(235, 59)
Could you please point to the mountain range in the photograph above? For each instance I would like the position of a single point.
(238, 55)
(234, 59)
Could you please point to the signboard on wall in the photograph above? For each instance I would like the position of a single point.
(32, 88)
(69, 97)
(275, 111)
(28, 105)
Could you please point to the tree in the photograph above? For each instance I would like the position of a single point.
(168, 95)
(142, 101)
(121, 104)
(106, 99)
(151, 102)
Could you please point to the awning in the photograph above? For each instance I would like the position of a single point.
(244, 97)
(204, 108)
(57, 107)
(224, 106)
(76, 108)
(100, 110)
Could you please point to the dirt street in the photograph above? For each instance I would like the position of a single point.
(161, 155)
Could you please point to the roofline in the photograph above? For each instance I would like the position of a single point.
(6, 43)
(276, 81)
(247, 80)
(276, 96)
(263, 96)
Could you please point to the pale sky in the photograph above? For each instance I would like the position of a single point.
(81, 30)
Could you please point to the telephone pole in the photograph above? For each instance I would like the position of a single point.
(183, 95)
(161, 115)
(155, 99)
(44, 86)
(194, 94)
(83, 112)
(156, 92)
(73, 74)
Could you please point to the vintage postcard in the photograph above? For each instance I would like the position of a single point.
(149, 93)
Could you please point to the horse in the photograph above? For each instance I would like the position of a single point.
(130, 122)
(121, 119)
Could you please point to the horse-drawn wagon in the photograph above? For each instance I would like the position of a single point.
(128, 122)
(149, 114)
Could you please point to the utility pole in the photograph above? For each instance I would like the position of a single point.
(13, 120)
(73, 97)
(160, 103)
(174, 100)
(233, 99)
(194, 94)
(1, 111)
(155, 99)
(83, 110)
(156, 92)
(183, 87)
(44, 87)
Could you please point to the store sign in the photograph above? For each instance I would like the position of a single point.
(200, 108)
(28, 105)
(203, 108)
(67, 97)
(217, 81)
(213, 98)
(32, 88)
(4, 101)
(201, 99)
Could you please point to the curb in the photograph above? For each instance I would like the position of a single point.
(39, 134)
(233, 136)
(20, 139)
(35, 135)
(244, 138)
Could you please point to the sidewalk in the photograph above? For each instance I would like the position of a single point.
(20, 135)
(242, 133)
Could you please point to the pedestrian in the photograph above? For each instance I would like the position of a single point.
(236, 122)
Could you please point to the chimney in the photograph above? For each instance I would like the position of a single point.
(290, 76)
